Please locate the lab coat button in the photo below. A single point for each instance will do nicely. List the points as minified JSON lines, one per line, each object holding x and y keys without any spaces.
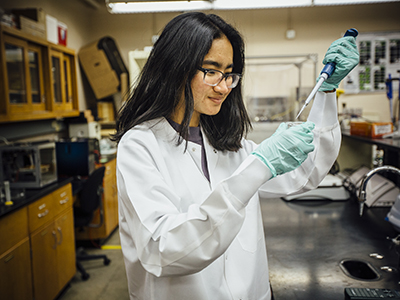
{"x":215,"y":151}
{"x":193,"y":149}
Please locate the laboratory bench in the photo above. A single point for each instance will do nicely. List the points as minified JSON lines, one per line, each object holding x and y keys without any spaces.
{"x":307,"y":240}
{"x":390,"y":146}
{"x":37,"y":249}
{"x":31,"y":195}
{"x":387,"y":143}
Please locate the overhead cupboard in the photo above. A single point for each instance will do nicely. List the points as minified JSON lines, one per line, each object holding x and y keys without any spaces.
{"x":38,"y":78}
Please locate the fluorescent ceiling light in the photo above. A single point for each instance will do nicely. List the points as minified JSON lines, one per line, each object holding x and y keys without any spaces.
{"x":157,"y":6}
{"x":345,"y":2}
{"x":148,"y":6}
{"x":257,"y":4}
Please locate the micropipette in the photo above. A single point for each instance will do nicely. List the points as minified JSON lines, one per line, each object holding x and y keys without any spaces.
{"x":326,"y":72}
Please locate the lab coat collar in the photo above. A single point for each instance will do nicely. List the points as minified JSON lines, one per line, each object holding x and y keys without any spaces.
{"x":170,"y":133}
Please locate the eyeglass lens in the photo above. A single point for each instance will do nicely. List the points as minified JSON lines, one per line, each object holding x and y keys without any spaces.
{"x":214,"y":77}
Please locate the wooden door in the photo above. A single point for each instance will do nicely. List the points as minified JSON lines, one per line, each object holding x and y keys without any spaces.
{"x":66,"y":263}
{"x":44,"y":263}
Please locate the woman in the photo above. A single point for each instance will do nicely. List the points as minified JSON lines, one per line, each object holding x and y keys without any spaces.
{"x":190,"y":221}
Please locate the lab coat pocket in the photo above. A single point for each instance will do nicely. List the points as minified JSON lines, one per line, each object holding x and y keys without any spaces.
{"x":252,"y":230}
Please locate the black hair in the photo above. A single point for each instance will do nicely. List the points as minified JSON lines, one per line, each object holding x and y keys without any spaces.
{"x":168,"y":72}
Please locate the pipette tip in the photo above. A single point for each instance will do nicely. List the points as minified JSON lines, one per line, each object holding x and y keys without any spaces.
{"x":301,"y":110}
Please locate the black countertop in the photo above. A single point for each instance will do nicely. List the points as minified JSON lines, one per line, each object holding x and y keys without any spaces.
{"x":306,"y":241}
{"x":388,"y":143}
{"x":32,"y":195}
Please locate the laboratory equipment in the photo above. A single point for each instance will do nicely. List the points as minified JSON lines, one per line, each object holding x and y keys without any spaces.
{"x":331,"y":188}
{"x":362,"y":197}
{"x":389,"y":94}
{"x":370,"y":294}
{"x":267,"y":109}
{"x":394,"y":214}
{"x":28,"y":165}
{"x":77,"y":157}
{"x":326,"y":72}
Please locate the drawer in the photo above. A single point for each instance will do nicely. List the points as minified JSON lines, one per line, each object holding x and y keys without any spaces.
{"x":15,"y":272}
{"x":62,"y":198}
{"x":41,"y":211}
{"x":14,"y":228}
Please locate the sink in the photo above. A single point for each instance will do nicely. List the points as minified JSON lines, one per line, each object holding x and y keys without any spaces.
{"x":359,"y":269}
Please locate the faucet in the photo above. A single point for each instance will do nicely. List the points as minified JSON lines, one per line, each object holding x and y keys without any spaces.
{"x":362,"y":196}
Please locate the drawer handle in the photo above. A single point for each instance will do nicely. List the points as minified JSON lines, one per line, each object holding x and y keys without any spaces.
{"x":55,"y":239}
{"x":8,"y":258}
{"x":64,"y":201}
{"x":43,"y":214}
{"x":61,"y":235}
{"x":42,"y":206}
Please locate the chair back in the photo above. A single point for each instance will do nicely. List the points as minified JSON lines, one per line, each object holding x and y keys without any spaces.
{"x":90,"y":195}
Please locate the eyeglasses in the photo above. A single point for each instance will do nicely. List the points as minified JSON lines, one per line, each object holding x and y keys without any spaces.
{"x":214,"y":77}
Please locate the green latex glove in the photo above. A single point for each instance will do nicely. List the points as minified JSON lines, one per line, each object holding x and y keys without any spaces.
{"x":345,"y":54}
{"x":287,"y":148}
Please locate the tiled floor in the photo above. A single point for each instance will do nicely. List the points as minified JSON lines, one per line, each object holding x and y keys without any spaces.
{"x":105,"y":282}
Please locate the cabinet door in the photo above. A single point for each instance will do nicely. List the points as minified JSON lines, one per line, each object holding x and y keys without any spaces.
{"x":16,"y":83}
{"x":110,"y":207}
{"x":68,"y":105}
{"x":37,"y":93}
{"x":66,"y":263}
{"x":44,"y":263}
{"x":15,"y":273}
{"x":24,"y":76}
{"x":57,"y":77}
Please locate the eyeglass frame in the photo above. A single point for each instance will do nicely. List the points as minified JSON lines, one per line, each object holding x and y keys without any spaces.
{"x":224,"y":76}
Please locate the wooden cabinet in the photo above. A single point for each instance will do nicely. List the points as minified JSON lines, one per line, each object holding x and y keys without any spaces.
{"x":110,"y":208}
{"x":61,"y":79}
{"x":52,"y":243}
{"x":37,"y":249}
{"x":15,"y":260}
{"x":38,"y":78}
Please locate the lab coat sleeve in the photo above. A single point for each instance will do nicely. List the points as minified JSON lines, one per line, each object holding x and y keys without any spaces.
{"x":327,"y":140}
{"x":166,"y":240}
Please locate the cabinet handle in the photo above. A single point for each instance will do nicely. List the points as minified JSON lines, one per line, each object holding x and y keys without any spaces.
{"x":63,"y":194}
{"x":8,"y":258}
{"x":42,"y":206}
{"x":55,"y":239}
{"x":115,"y":191}
{"x":61,"y":235}
{"x":64,"y":201}
{"x":43,"y":214}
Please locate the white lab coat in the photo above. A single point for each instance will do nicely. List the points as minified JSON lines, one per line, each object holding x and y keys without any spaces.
{"x":184,"y":237}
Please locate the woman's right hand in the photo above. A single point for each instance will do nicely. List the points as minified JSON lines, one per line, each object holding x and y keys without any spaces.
{"x":287,"y":148}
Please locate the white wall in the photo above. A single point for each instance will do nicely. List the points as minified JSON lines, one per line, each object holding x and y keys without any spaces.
{"x":263,"y":31}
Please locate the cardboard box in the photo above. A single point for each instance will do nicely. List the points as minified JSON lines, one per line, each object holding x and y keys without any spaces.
{"x":102,"y":78}
{"x":35,"y":14}
{"x":370,"y":129}
{"x":32,"y":27}
{"x":105,"y":111}
{"x":32,"y":21}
